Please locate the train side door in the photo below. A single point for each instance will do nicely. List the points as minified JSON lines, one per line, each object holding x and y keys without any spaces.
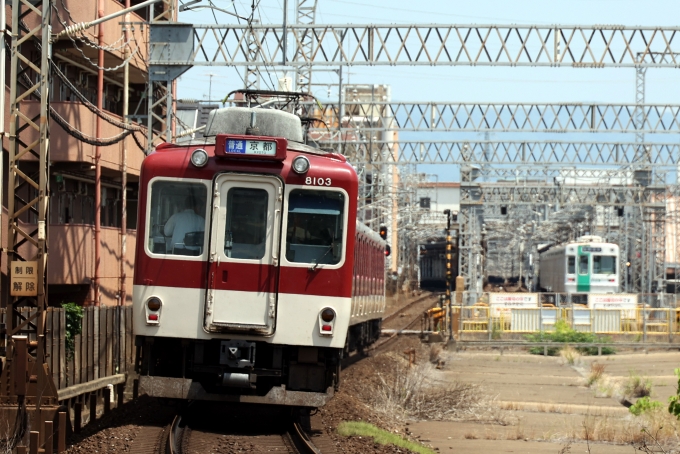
{"x":244,"y":254}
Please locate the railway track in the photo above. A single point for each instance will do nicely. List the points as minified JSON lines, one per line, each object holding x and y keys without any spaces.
{"x":202,"y":431}
{"x":410,"y":305}
{"x":415,"y":308}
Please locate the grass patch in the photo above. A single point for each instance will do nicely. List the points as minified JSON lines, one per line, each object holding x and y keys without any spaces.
{"x":383,"y":437}
{"x":566,"y":334}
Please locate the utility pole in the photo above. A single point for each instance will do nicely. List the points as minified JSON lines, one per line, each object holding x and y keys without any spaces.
{"x":449,"y":270}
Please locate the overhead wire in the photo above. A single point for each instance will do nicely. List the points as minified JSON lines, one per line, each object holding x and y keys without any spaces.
{"x":266,"y":43}
{"x":96,"y":46}
{"x":217,"y":22}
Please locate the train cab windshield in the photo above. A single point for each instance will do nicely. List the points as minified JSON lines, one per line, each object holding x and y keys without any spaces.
{"x":314,"y":233}
{"x":177,"y":218}
{"x":604,"y":264}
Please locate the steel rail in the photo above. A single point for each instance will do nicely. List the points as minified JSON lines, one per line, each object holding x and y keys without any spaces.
{"x":304,"y":443}
{"x":174,"y":437}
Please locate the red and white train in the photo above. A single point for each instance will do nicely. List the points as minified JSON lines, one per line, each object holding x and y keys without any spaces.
{"x":252,"y":276}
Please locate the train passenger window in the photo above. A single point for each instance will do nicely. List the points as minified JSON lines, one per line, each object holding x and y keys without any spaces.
{"x":246,"y":227}
{"x":571,"y":264}
{"x":314,"y":232}
{"x":582,"y":264}
{"x":177,"y":218}
{"x":604,"y":264}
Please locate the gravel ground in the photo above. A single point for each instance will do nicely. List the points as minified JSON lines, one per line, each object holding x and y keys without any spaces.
{"x":116,"y":432}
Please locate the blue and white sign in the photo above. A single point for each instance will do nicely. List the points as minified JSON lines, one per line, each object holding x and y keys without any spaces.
{"x":246,"y":147}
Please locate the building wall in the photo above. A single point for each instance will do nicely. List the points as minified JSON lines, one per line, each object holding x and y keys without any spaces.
{"x":71,"y":245}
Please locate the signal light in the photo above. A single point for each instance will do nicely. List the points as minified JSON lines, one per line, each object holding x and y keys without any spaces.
{"x":383,"y":232}
{"x":388,"y":250}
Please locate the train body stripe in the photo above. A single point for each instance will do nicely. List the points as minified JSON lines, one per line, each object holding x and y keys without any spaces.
{"x":582,"y":280}
{"x":248,"y":277}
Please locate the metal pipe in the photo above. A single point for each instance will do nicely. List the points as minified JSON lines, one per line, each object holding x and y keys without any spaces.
{"x":3,"y":29}
{"x":284,"y":43}
{"x":123,"y":218}
{"x":97,"y":158}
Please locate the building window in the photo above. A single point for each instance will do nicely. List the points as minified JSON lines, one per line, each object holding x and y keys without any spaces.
{"x":425,"y":203}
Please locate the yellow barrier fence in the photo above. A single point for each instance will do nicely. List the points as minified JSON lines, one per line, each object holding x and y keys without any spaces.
{"x":651,"y":321}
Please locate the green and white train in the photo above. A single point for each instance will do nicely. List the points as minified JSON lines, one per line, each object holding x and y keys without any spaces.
{"x":587,"y":265}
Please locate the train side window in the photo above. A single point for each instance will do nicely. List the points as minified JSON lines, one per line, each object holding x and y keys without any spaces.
{"x":582,"y":264}
{"x":177,"y":218}
{"x":571,"y":264}
{"x":314,"y":233}
{"x":246,"y":227}
{"x":604,"y":264}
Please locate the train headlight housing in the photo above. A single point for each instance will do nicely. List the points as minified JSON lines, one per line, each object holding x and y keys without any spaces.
{"x":300,"y":165}
{"x":199,"y":157}
{"x":326,"y":321}
{"x":153,"y":310}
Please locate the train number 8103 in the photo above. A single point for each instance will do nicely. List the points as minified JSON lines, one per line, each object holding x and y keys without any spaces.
{"x":318,"y":181}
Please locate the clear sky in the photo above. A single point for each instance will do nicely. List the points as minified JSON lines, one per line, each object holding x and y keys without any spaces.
{"x":462,"y":84}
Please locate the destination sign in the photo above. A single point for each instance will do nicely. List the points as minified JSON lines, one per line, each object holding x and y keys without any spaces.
{"x":250,"y":147}
{"x":591,"y":249}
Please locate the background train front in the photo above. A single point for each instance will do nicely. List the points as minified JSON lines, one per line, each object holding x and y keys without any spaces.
{"x":432,"y":265}
{"x":588,"y":265}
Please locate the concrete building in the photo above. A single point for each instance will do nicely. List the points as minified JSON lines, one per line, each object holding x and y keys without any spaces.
{"x":86,"y":264}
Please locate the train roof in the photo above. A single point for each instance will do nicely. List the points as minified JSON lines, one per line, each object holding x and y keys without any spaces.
{"x":364,"y":229}
{"x":560,"y":247}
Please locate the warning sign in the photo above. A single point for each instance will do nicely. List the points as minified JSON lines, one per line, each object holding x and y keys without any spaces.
{"x":505,"y":302}
{"x":625,"y":302}
{"x":24,"y":279}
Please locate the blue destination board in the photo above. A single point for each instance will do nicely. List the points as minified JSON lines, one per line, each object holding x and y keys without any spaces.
{"x":254,"y":147}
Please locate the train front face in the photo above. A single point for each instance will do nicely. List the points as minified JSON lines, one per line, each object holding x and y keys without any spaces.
{"x":592,"y":268}
{"x":249,"y":299}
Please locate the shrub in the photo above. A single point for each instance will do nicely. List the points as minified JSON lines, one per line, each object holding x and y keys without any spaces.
{"x":637,"y":386}
{"x":596,"y":373}
{"x":570,"y":355}
{"x":643,"y":405}
{"x":566,"y":334}
{"x":74,"y":325}
{"x":674,"y":401}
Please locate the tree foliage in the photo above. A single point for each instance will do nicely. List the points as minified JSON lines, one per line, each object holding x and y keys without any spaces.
{"x":74,"y":325}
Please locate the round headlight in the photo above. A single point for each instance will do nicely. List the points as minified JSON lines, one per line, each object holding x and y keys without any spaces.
{"x":199,"y":157}
{"x":327,"y":315}
{"x":153,"y":304}
{"x":300,"y":164}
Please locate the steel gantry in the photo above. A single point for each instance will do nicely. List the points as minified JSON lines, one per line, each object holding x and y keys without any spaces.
{"x":518,"y":153}
{"x":306,"y":15}
{"x":504,"y":117}
{"x":27,"y":394}
{"x":595,"y":46}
